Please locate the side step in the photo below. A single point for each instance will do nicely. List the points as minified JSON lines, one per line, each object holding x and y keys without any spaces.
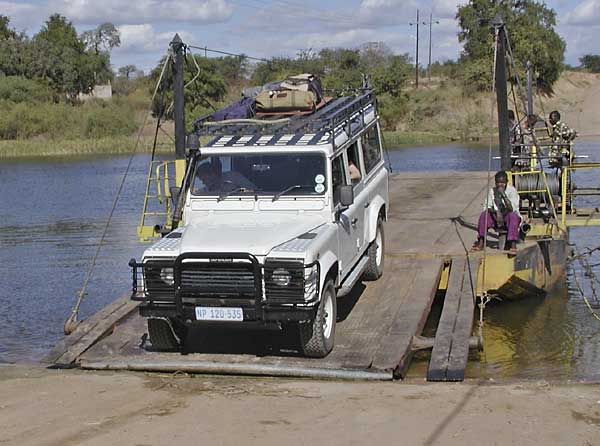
{"x":451,"y":345}
{"x":353,"y":277}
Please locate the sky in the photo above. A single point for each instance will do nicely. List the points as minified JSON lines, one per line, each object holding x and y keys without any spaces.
{"x":269,"y":28}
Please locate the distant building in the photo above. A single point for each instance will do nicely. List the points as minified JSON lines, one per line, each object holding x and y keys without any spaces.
{"x":99,"y":92}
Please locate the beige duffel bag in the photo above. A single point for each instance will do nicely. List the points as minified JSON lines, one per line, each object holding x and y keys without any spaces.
{"x":285,"y":101}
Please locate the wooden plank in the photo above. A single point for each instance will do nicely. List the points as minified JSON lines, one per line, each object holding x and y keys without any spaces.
{"x":440,"y":354}
{"x":361,"y":333}
{"x":459,"y":353}
{"x":395,"y":347}
{"x":90,"y":331}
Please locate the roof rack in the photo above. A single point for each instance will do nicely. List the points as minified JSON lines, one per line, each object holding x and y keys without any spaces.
{"x":342,"y":114}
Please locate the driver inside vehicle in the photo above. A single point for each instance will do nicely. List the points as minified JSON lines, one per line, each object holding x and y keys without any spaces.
{"x":215,"y":180}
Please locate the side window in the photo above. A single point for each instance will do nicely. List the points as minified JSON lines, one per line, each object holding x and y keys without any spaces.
{"x":338,"y":177}
{"x":354,"y":164}
{"x":371,"y":148}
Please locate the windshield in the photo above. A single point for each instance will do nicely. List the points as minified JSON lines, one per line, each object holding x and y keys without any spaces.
{"x":260,"y":174}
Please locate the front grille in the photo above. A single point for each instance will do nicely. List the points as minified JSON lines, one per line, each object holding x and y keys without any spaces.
{"x":286,"y":282}
{"x":207,"y":279}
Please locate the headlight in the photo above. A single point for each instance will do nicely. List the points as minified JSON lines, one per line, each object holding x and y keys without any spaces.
{"x":311,"y":282}
{"x":281,"y":277}
{"x":166,"y":275}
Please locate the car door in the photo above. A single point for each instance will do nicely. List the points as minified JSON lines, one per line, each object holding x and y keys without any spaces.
{"x":351,"y":220}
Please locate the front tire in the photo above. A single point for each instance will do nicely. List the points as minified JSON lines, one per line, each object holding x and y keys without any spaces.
{"x":317,"y":337}
{"x":376,"y":254}
{"x":166,"y":334}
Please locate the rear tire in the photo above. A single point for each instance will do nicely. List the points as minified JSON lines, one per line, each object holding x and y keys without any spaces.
{"x":166,"y":334}
{"x":376,"y":254}
{"x":317,"y":337}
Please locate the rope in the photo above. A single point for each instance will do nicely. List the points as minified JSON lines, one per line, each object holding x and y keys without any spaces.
{"x":484,"y":298}
{"x":586,"y":266}
{"x":71,"y":323}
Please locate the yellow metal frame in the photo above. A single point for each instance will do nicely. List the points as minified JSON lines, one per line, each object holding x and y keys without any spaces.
{"x":569,"y":219}
{"x":160,"y":174}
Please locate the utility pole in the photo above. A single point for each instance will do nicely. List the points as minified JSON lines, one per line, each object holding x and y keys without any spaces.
{"x":417,"y":52}
{"x":431,"y":22}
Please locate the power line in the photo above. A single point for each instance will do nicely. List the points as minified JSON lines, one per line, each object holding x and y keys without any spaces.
{"x":228,"y":53}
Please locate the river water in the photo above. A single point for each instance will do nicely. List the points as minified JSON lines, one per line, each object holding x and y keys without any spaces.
{"x":53,"y":213}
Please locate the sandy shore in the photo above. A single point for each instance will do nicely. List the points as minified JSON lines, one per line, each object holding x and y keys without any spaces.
{"x":71,"y":407}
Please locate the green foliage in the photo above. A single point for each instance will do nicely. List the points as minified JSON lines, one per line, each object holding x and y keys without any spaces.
{"x":19,"y":89}
{"x":55,"y":56}
{"x":205,"y":92}
{"x":102,"y":39}
{"x":591,"y":62}
{"x":476,"y":75}
{"x":93,"y":119}
{"x":530,"y":28}
{"x":127,"y":70}
{"x":61,"y":33}
{"x":6,"y":32}
{"x":391,"y":77}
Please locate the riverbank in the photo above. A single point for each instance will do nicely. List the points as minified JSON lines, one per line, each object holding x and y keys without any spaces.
{"x":70,"y":407}
{"x":36,"y":148}
{"x":436,"y":115}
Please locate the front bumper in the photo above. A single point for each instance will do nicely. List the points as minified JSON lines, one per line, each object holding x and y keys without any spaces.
{"x":280,"y":290}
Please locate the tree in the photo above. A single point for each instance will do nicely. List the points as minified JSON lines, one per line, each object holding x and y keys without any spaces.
{"x":127,"y":70}
{"x":5,"y":31}
{"x":207,"y":90}
{"x":591,"y":62}
{"x":58,"y":31}
{"x":391,"y":77}
{"x":57,"y":55}
{"x":530,"y":29}
{"x":104,"y":38}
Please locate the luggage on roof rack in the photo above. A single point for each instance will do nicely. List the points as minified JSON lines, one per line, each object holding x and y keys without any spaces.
{"x":285,"y":100}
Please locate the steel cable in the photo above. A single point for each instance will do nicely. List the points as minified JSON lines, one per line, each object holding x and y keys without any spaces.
{"x":71,"y":323}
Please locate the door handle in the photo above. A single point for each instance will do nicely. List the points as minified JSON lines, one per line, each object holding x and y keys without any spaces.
{"x":354,"y":221}
{"x":367,"y":204}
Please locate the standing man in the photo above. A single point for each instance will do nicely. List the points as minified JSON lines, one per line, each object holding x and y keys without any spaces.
{"x":501,"y":210}
{"x":559,"y":131}
{"x":562,"y":135}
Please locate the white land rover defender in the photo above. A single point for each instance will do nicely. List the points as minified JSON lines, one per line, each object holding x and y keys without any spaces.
{"x":279,"y":220}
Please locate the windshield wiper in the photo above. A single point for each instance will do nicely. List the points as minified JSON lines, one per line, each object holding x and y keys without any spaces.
{"x":289,"y":189}
{"x":234,"y":191}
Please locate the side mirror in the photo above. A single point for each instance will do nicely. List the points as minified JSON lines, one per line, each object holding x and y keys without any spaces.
{"x":193,"y":141}
{"x":346,"y":196}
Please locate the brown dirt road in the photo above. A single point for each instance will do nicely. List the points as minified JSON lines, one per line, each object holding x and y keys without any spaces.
{"x":43,"y":407}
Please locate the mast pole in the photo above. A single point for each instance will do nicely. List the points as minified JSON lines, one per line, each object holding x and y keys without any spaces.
{"x":178,"y":102}
{"x":502,"y":95}
{"x":529,"y":88}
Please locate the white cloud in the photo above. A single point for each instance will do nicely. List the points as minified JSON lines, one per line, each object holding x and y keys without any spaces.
{"x":143,"y":38}
{"x":120,"y":11}
{"x":585,"y":13}
{"x":446,"y":9}
{"x":21,"y":15}
{"x":144,"y":11}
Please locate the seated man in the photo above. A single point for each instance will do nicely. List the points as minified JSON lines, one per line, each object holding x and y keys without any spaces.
{"x":354,"y":172}
{"x":501,"y":210}
{"x":215,"y":180}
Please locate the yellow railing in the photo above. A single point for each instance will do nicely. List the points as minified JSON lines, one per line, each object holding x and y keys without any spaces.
{"x":157,"y":206}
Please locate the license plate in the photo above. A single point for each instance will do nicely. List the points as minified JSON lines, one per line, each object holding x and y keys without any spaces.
{"x":219,"y":314}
